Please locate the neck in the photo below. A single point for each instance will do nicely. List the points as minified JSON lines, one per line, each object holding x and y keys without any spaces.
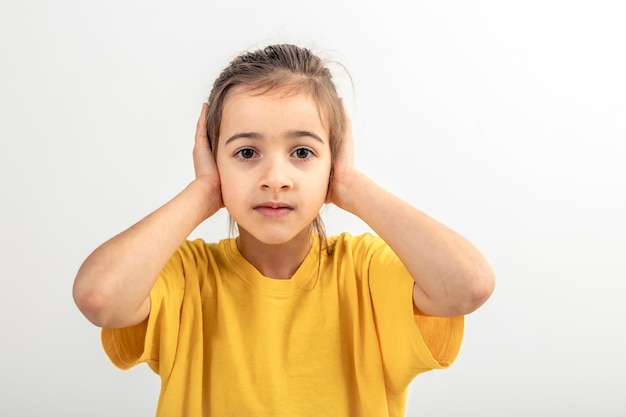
{"x":277,"y":261}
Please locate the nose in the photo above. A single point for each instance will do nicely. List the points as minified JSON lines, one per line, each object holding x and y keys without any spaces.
{"x":276,"y":175}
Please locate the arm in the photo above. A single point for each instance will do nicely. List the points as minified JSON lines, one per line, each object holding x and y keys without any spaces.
{"x":113,"y":284}
{"x":451,"y":276}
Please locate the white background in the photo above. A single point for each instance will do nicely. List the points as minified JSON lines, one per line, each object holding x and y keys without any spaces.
{"x":504,"y":120}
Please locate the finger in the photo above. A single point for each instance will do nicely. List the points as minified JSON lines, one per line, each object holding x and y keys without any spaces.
{"x":202,"y":156}
{"x":346,"y":115}
{"x":201,"y":133}
{"x":347,"y":146}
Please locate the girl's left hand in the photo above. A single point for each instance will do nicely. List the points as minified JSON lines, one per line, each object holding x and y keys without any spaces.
{"x":343,"y":166}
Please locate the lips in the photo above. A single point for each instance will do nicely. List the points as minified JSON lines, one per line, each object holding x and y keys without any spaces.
{"x":273,"y":209}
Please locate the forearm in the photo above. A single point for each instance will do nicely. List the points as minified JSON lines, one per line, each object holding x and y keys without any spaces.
{"x":452,"y":277}
{"x":112,"y":286}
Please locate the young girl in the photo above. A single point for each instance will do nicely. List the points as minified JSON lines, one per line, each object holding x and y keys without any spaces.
{"x":281,"y":320}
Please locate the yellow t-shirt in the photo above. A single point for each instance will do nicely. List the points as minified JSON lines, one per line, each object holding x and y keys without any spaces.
{"x":340,"y":338}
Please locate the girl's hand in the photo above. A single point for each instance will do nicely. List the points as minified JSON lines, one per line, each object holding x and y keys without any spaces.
{"x":203,"y":161}
{"x":343,"y":166}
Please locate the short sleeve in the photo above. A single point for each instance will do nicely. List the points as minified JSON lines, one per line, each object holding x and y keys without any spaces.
{"x":410,"y":343}
{"x":153,"y":341}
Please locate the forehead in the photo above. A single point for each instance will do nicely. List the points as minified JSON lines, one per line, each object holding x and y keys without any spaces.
{"x":252,"y":109}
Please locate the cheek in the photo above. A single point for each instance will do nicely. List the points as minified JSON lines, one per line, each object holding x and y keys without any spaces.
{"x":233,"y":202}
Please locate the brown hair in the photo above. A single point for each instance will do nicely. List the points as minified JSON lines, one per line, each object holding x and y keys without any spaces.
{"x":285,"y":68}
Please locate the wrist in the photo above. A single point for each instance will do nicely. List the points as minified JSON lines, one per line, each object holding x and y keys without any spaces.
{"x":345,"y":188}
{"x":205,"y":195}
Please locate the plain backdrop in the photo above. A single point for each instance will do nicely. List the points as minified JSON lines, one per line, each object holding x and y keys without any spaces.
{"x":504,"y":120}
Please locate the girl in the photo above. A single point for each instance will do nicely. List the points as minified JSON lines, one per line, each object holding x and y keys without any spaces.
{"x":282,"y":321}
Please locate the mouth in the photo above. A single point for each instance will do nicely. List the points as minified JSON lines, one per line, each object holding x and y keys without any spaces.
{"x":273,"y":209}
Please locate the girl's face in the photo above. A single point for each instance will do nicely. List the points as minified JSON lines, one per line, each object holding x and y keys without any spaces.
{"x":274,"y":163}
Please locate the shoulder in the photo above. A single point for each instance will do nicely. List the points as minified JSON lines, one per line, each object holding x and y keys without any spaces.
{"x":357,"y":249}
{"x":195,"y":265}
{"x":193,"y":256}
{"x":367,"y":253}
{"x":363,"y":243}
{"x":348,"y":239}
{"x":199,"y":249}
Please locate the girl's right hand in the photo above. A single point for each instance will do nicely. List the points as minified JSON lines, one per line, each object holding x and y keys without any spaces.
{"x":204,"y":163}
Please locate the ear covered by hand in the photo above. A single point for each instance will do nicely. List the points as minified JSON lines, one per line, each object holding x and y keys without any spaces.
{"x":343,"y":165}
{"x":204,"y":163}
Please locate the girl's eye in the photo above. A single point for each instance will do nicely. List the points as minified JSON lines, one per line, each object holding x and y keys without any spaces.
{"x":246,"y":153}
{"x":303,"y":153}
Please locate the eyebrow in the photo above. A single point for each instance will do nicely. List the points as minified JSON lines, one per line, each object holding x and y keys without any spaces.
{"x":244,"y":135}
{"x":292,"y":134}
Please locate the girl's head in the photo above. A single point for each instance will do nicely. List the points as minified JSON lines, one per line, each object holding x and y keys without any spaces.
{"x":282,"y":69}
{"x":286,"y":68}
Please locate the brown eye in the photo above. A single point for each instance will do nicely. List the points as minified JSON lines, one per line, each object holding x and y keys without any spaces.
{"x":303,"y":153}
{"x":246,"y":153}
